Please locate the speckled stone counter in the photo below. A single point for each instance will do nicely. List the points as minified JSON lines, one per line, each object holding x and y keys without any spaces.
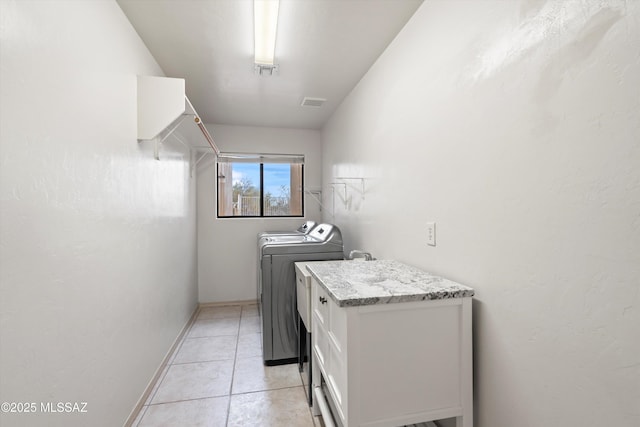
{"x":354,"y":283}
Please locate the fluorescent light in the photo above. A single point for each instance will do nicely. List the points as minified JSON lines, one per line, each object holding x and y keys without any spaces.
{"x":265,"y":20}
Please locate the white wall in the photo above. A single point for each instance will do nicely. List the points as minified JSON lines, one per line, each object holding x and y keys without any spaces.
{"x":97,"y":252}
{"x":227,"y":247}
{"x":515,"y":126}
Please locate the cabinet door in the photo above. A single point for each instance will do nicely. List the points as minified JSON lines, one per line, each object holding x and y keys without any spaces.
{"x":319,"y":326}
{"x":337,"y":370}
{"x":320,"y":305}
{"x":337,"y":379}
{"x":321,"y":346}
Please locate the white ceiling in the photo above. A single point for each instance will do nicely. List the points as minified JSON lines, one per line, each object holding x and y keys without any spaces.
{"x":323,"y":49}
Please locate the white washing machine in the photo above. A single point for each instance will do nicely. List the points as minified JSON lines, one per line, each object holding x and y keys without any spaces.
{"x":305,"y":228}
{"x":277,"y":286}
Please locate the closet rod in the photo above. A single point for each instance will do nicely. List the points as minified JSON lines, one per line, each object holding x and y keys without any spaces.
{"x":206,"y":134}
{"x":203,"y":129}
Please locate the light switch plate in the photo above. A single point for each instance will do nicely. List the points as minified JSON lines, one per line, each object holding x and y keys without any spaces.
{"x":431,"y":233}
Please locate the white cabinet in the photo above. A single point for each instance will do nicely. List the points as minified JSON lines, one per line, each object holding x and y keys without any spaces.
{"x":329,"y":344}
{"x":394,"y":364}
{"x":162,"y":108}
{"x":161,"y":101}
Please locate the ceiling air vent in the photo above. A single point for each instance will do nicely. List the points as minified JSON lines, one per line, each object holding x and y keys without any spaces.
{"x":312,"y":102}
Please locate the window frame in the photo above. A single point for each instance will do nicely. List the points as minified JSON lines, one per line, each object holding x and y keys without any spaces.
{"x":261,"y":188}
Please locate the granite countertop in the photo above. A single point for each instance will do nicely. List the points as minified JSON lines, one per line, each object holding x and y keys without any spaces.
{"x":354,"y":283}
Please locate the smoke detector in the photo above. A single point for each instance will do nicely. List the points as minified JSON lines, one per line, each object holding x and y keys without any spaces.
{"x":312,"y":102}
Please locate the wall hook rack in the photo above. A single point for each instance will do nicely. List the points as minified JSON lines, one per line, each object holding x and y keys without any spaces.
{"x":333,"y":185}
{"x":347,"y":178}
{"x":315,"y":195}
{"x":333,"y":196}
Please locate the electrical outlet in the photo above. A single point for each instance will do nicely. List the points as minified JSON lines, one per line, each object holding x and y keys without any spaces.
{"x":431,"y":233}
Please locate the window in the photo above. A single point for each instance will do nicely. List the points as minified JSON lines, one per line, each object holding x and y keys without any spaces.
{"x":260,"y":185}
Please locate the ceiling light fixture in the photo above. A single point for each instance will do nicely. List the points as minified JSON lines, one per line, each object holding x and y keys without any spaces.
{"x":265,"y":21}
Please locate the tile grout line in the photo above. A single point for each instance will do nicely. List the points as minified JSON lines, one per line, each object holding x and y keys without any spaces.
{"x":233,"y":370}
{"x":311,"y":416}
{"x":235,"y":359}
{"x":187,"y":400}
{"x":171,"y":362}
{"x":202,"y":361}
{"x":268,"y":390}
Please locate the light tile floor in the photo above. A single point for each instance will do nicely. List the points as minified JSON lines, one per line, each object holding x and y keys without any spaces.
{"x":216,"y":378}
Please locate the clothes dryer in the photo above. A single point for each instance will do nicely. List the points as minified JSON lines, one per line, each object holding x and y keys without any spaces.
{"x":277,"y":286}
{"x":305,"y":228}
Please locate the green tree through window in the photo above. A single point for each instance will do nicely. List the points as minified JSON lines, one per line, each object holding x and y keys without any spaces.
{"x":260,"y":190}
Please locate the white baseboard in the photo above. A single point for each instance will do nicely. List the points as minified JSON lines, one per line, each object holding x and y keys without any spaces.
{"x":156,"y":376}
{"x":220,"y":304}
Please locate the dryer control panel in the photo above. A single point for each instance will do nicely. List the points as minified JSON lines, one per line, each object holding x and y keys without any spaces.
{"x":326,"y":233}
